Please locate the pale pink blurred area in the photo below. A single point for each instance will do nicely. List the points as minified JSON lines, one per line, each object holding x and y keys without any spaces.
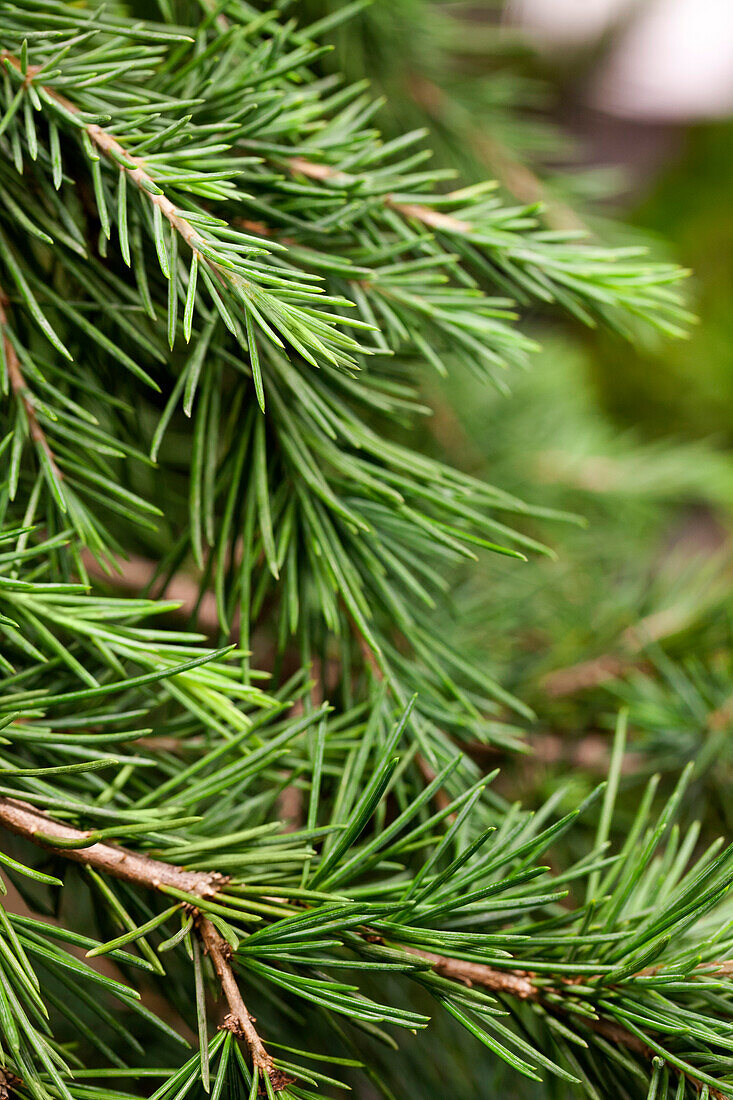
{"x":666,"y":61}
{"x":566,"y":22}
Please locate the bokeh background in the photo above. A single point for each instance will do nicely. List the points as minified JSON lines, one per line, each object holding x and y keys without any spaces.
{"x":617,"y":117}
{"x":614,"y":118}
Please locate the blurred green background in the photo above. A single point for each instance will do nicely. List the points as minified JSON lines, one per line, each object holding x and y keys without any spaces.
{"x":632,"y":605}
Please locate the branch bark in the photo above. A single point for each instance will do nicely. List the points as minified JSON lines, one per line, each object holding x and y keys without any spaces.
{"x":142,"y":870}
{"x":435,"y":219}
{"x":21,"y":391}
{"x":135,"y":168}
{"x":517,"y":983}
{"x":519,"y":180}
{"x":9,"y":1082}
{"x":238,"y":1019}
{"x":135,"y":867}
{"x":24,"y":820}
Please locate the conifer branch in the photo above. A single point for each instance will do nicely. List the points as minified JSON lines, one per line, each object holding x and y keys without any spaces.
{"x":134,"y":167}
{"x":515,"y":983}
{"x":317,"y":531}
{"x":149,"y":873}
{"x":435,"y":219}
{"x":238,"y":1019}
{"x":152,"y":874}
{"x":21,"y":391}
{"x":9,"y":1083}
{"x":75,"y":844}
{"x":142,"y":870}
{"x":518,"y":178}
{"x":519,"y":984}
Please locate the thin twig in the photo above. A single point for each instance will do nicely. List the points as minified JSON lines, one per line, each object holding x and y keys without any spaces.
{"x":9,"y":1083}
{"x":238,"y":1019}
{"x":135,"y":169}
{"x":517,"y":983}
{"x":426,"y":214}
{"x":518,"y":179}
{"x":111,"y":859}
{"x":142,"y":870}
{"x":21,"y":391}
{"x":25,"y":821}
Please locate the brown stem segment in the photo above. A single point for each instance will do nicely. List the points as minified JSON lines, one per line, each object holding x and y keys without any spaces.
{"x":9,"y":1082}
{"x":517,"y":983}
{"x":25,"y":821}
{"x":435,"y":219}
{"x":515,"y":176}
{"x":21,"y":391}
{"x":238,"y":1019}
{"x":134,"y":167}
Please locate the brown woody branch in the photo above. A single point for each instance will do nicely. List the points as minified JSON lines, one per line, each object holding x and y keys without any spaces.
{"x":153,"y":874}
{"x":435,"y":219}
{"x":238,"y":1019}
{"x":9,"y":1083}
{"x":518,"y":983}
{"x":111,"y":859}
{"x":20,"y":389}
{"x":134,"y":167}
{"x":142,"y":870}
{"x":518,"y":179}
{"x":27,"y":822}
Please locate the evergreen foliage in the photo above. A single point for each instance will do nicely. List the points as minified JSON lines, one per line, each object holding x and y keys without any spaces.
{"x":222,"y":298}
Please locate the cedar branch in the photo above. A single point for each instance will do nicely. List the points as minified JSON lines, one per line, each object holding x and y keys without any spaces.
{"x":134,"y":167}
{"x":142,"y":870}
{"x":9,"y":1082}
{"x":435,"y":219}
{"x":25,"y":821}
{"x":518,"y":179}
{"x":517,"y":983}
{"x":238,"y":1019}
{"x":21,"y":391}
